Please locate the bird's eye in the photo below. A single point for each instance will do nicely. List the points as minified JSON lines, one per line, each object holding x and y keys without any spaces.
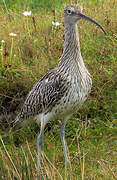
{"x":69,"y":11}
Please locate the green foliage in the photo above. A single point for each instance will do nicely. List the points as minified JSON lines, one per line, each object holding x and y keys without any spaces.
{"x":91,"y":132}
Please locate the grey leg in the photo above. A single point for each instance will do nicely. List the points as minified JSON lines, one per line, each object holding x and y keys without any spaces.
{"x":39,"y":145}
{"x":62,"y":135}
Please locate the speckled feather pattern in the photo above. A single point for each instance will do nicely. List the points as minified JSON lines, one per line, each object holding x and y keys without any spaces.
{"x":45,"y":94}
{"x":62,"y":90}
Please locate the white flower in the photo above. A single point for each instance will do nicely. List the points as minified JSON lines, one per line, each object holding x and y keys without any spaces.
{"x":2,"y":41}
{"x":27,"y":13}
{"x":81,"y":8}
{"x":12,"y":34}
{"x":56,"y":23}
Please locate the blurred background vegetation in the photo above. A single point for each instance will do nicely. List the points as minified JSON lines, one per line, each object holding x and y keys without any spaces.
{"x":33,"y":50}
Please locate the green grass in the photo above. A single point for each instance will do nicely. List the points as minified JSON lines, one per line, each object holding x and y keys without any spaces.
{"x":91,"y":132}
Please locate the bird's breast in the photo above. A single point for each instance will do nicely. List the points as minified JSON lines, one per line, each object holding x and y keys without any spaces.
{"x":76,"y":94}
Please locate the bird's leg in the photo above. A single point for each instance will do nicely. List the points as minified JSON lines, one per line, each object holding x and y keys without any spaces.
{"x":39,"y":145}
{"x":62,"y":135}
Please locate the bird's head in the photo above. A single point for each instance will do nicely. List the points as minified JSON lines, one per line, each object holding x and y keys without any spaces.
{"x":73,"y":13}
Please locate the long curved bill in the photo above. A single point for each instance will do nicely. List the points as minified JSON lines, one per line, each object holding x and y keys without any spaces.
{"x":92,"y":20}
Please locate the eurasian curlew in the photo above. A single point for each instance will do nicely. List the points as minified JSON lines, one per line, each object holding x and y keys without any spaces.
{"x":64,"y":89}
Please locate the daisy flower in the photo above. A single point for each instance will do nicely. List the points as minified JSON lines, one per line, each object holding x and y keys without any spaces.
{"x":27,"y":13}
{"x":56,"y":23}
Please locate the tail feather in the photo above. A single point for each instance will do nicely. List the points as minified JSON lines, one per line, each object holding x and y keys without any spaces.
{"x":16,"y":121}
{"x":19,"y":121}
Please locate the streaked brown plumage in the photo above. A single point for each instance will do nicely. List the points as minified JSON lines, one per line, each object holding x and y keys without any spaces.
{"x":65,"y":88}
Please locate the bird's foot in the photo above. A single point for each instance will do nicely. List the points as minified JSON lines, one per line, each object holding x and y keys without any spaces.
{"x":67,"y":164}
{"x":39,"y":176}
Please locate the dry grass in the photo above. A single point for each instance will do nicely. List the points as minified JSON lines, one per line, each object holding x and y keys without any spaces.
{"x":26,"y":57}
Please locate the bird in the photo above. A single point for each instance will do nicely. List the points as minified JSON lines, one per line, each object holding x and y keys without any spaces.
{"x":62,"y":90}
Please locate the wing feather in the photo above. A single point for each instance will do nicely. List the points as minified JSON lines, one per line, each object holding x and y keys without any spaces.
{"x":45,"y":93}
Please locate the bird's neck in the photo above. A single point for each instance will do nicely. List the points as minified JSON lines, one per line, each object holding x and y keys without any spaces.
{"x":71,"y":62}
{"x":71,"y":51}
